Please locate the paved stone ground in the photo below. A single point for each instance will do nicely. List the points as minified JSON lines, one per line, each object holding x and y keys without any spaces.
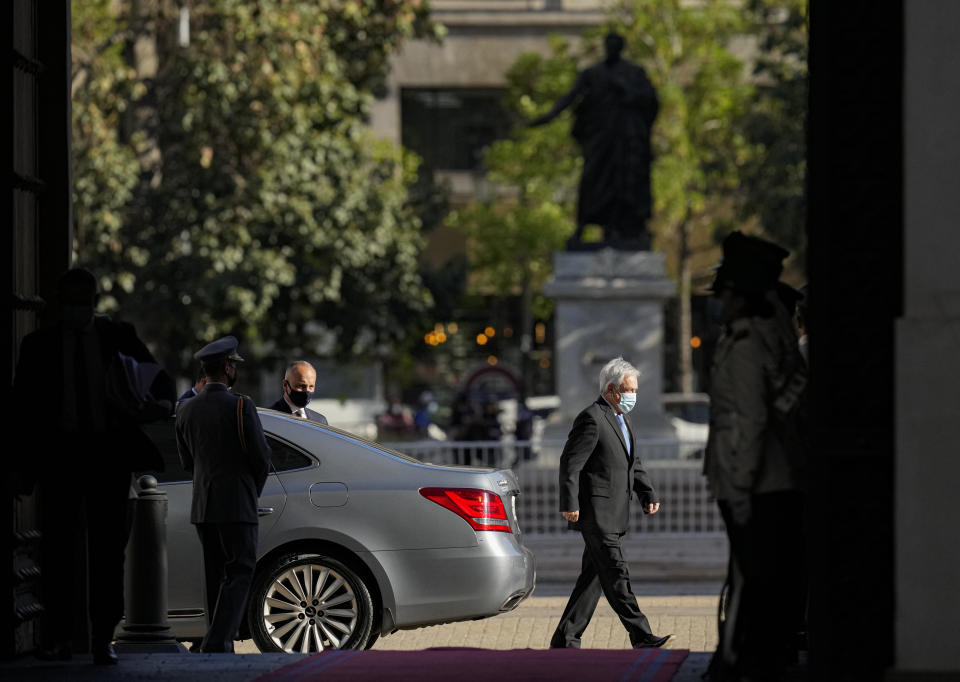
{"x":686,"y":609}
{"x":691,"y":617}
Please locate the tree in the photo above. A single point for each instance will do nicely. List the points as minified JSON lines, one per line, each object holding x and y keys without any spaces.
{"x":513,"y":233}
{"x":272,"y":211}
{"x":775,"y":173}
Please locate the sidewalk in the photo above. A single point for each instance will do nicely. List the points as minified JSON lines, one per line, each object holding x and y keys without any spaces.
{"x":685,"y":609}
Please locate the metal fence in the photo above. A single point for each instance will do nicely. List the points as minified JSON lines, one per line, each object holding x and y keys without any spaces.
{"x":686,"y":504}
{"x":543,"y":453}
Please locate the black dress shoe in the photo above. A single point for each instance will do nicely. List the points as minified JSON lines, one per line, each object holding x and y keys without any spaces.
{"x":105,"y":654}
{"x":653,"y":642}
{"x":57,"y":652}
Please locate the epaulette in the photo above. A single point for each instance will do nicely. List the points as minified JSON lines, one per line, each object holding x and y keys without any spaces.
{"x":240,"y":427}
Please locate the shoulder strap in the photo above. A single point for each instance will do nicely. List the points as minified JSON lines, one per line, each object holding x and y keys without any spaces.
{"x":243,"y":438}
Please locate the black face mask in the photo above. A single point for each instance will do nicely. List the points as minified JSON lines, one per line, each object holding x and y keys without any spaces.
{"x":231,"y":379}
{"x":299,"y":398}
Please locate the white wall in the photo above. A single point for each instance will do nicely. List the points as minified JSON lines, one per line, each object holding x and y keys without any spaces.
{"x":928,"y":346}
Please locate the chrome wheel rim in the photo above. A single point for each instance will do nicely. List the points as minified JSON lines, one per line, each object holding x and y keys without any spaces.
{"x":309,"y":608}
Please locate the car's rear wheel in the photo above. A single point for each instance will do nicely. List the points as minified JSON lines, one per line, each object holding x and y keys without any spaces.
{"x":304,"y":603}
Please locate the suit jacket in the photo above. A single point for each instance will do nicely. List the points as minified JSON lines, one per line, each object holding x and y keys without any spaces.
{"x":40,"y":368}
{"x":228,"y":474}
{"x":189,"y":393}
{"x":282,"y":406}
{"x":596,"y":474}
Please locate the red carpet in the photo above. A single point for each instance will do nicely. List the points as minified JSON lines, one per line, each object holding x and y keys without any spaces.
{"x":468,"y":665}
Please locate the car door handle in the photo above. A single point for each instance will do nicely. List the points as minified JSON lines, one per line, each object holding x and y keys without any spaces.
{"x":264,"y":511}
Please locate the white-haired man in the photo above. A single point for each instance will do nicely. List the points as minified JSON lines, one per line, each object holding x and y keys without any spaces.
{"x":298,"y":384}
{"x":599,"y":471}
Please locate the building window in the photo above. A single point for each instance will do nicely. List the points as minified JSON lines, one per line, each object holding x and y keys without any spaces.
{"x":451,"y":127}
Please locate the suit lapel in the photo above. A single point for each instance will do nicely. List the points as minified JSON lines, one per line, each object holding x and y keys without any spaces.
{"x":614,"y":424}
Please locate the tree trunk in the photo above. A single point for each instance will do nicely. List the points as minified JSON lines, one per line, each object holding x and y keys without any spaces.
{"x":526,"y":338}
{"x":684,"y":322}
{"x":145,"y":56}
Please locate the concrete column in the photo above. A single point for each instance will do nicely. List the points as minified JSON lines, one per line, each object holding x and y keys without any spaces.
{"x":928,"y":347}
{"x":145,"y":627}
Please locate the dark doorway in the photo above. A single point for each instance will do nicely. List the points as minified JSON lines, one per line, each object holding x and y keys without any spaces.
{"x":855,"y":236}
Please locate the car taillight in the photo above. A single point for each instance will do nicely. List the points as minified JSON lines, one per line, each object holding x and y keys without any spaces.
{"x":482,"y":509}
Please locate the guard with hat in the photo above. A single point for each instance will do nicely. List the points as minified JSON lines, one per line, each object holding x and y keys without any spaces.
{"x":751,"y":461}
{"x":220,"y":439}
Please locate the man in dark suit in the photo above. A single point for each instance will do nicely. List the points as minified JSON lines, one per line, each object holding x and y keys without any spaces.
{"x":298,"y":385}
{"x":194,"y":390}
{"x":598,"y":473}
{"x":220,"y":439}
{"x":90,"y":445}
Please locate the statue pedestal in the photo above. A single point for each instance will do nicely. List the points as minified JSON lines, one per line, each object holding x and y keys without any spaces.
{"x":609,"y":303}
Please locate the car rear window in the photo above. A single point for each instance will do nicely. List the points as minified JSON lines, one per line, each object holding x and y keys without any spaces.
{"x":285,"y":457}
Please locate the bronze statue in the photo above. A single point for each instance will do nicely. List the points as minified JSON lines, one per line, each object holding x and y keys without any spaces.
{"x":615,"y":106}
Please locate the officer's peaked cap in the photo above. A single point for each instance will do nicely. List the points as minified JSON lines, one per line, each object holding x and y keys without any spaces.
{"x":225,"y":347}
{"x":750,"y":264}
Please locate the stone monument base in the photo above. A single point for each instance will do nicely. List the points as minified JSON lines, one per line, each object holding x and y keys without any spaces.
{"x":609,"y":303}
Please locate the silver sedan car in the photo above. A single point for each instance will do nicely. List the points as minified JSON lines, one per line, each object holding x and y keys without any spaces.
{"x":356,"y":541}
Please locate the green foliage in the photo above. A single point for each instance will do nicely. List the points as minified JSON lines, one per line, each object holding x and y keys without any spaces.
{"x":775,"y":174}
{"x":275,"y":215}
{"x":513,"y":234}
{"x":105,"y":169}
{"x":699,"y":150}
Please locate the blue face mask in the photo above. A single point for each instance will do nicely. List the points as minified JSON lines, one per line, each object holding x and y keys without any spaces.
{"x":627,"y":402}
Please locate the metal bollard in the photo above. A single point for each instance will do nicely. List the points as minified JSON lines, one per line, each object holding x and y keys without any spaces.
{"x":145,"y":628}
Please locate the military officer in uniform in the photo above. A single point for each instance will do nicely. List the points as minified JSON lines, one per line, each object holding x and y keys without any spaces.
{"x":752,"y":460}
{"x":220,"y":439}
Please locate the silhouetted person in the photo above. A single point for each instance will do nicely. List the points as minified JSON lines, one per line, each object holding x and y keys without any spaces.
{"x":220,"y":439}
{"x":754,"y":462}
{"x":88,"y":447}
{"x":615,"y":105}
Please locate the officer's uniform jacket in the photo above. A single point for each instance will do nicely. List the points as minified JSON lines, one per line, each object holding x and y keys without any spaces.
{"x":220,"y":439}
{"x":746,"y":452}
{"x":597,"y":476}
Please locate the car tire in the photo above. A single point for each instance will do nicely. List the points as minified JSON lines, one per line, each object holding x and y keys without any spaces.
{"x":286,"y":609}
